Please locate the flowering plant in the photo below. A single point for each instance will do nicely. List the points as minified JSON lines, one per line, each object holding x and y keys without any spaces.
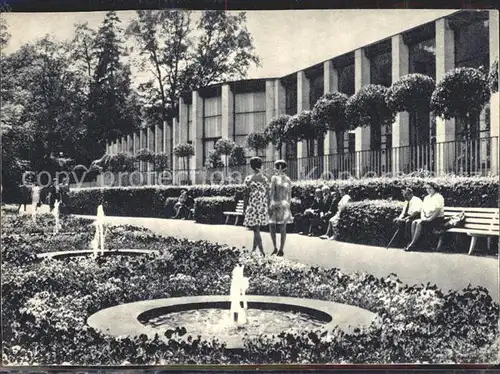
{"x":411,"y":93}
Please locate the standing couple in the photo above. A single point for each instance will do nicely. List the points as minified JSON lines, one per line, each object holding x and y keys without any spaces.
{"x":268,"y":204}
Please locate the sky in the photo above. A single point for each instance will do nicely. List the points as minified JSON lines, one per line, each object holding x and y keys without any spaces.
{"x":286,"y":40}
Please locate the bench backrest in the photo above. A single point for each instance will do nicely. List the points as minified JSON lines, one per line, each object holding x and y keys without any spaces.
{"x":239,"y":207}
{"x":477,"y":219}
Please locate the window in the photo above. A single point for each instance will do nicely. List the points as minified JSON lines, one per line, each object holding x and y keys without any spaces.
{"x":249,"y":114}
{"x":422,"y":58}
{"x":316,"y":147}
{"x":291,"y":98}
{"x":346,"y":80}
{"x":212,"y":124}
{"x":381,"y":69}
{"x":189,"y":121}
{"x":472,"y":48}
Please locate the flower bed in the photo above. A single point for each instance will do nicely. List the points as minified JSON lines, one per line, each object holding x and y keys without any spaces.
{"x":46,"y":304}
{"x":150,"y":201}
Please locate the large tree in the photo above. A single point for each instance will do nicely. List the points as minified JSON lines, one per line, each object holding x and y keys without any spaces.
{"x":183,"y":54}
{"x":112,"y":106}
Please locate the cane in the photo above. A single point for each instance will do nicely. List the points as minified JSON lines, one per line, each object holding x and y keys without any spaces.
{"x":393,"y":237}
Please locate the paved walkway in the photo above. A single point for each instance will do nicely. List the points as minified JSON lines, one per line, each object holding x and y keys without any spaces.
{"x":446,"y":270}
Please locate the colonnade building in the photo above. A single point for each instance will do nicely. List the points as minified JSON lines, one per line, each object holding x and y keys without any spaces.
{"x":413,"y":142}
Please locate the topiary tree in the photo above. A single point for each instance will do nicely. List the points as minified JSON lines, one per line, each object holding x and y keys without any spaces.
{"x":213,"y":160}
{"x":257,"y":141}
{"x":301,"y":127}
{"x":238,"y":156}
{"x":493,"y":77}
{"x":330,"y":109}
{"x":144,"y":155}
{"x":411,"y":93}
{"x":275,"y":131}
{"x":160,"y":161}
{"x":224,"y":147}
{"x":462,"y":94}
{"x":184,"y":151}
{"x":368,"y":108}
{"x":120,"y":163}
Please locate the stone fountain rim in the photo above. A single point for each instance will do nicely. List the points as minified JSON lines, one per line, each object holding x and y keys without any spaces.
{"x":123,"y":320}
{"x":90,"y":252}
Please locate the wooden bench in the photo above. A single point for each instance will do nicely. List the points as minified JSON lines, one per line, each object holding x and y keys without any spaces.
{"x":237,"y":213}
{"x":479,"y":222}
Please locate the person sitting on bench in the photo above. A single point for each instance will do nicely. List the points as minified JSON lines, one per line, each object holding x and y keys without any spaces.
{"x":411,"y":212}
{"x":432,"y":216}
{"x":334,"y":220}
{"x":303,"y":221}
{"x":330,"y":203}
{"x":180,"y":206}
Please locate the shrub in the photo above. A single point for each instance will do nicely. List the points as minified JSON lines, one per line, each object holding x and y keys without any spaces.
{"x":160,"y":161}
{"x":184,"y":150}
{"x":368,"y":222}
{"x":213,"y":160}
{"x":148,"y":201}
{"x":275,"y":130}
{"x":224,"y":146}
{"x":211,"y":209}
{"x":238,"y":157}
{"x":368,"y":108}
{"x":330,"y":109}
{"x":144,"y":155}
{"x":462,"y":93}
{"x":257,"y":141}
{"x":411,"y":93}
{"x":301,"y":127}
{"x":121,"y":162}
{"x":45,"y":307}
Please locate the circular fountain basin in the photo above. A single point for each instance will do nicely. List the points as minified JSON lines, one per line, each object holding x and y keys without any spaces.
{"x":90,"y":252}
{"x":209,"y":317}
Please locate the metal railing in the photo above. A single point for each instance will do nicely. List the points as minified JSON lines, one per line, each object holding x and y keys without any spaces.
{"x":472,"y":157}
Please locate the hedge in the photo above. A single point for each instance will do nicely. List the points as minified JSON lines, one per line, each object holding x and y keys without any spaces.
{"x":211,"y":209}
{"x":149,"y":201}
{"x":368,"y":222}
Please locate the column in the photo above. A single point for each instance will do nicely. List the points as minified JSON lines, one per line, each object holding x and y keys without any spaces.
{"x":303,"y":89}
{"x":130,"y":143}
{"x":176,"y":139}
{"x":331,"y":84}
{"x":445,"y":129}
{"x":141,"y":146}
{"x":495,"y":97}
{"x":183,"y":128}
{"x":271,"y":110}
{"x":227,"y":103}
{"x":401,"y":126}
{"x":197,"y":131}
{"x":280,"y":107}
{"x":151,"y":148}
{"x":362,"y":148}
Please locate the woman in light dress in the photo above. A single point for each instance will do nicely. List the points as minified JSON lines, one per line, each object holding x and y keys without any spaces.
{"x":279,"y":208}
{"x":256,"y":213}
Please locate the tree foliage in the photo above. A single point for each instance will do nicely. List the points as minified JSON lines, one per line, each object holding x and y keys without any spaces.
{"x":257,"y":141}
{"x":301,"y":127}
{"x":238,"y":157}
{"x":275,"y":130}
{"x":213,"y":160}
{"x":183,"y":150}
{"x":368,"y":108}
{"x":411,"y":93}
{"x":224,"y":146}
{"x":183,"y":55}
{"x":462,"y":93}
{"x":493,"y":77}
{"x":330,"y":110}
